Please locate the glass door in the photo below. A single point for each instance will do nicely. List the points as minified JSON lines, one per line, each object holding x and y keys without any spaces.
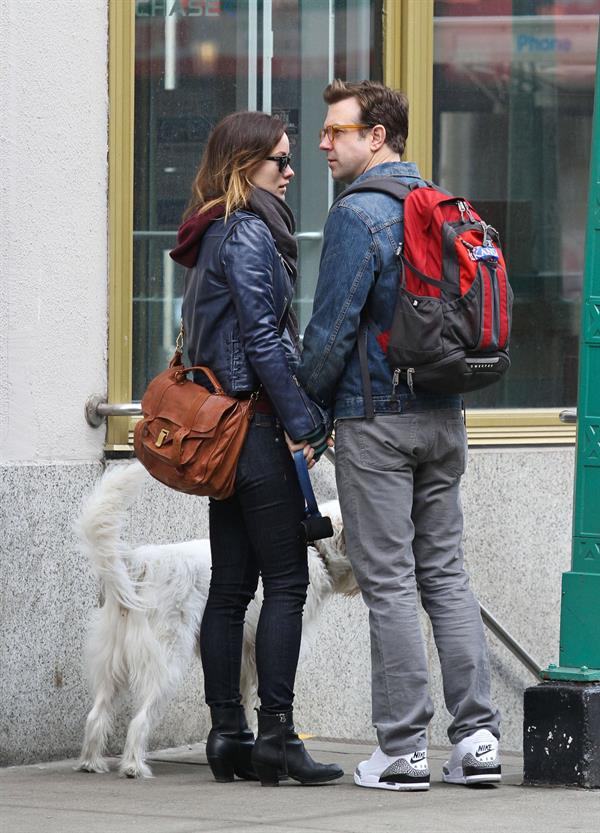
{"x":513,"y":105}
{"x":198,"y":60}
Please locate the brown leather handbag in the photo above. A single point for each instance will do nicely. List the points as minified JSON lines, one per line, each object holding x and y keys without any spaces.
{"x":189,"y":438}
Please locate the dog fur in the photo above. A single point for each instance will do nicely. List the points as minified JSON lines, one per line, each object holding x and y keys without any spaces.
{"x":145,"y":634}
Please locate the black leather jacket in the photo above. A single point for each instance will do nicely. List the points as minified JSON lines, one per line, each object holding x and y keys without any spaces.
{"x":235,"y":303}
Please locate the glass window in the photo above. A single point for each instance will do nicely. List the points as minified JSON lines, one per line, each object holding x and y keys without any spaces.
{"x":195,"y":62}
{"x":512,"y":119}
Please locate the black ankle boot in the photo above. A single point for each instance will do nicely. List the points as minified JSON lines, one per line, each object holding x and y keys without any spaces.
{"x":279,"y":752}
{"x":229,"y":744}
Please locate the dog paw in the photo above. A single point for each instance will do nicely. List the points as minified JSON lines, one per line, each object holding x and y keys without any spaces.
{"x":132,"y":769}
{"x":99,"y":765}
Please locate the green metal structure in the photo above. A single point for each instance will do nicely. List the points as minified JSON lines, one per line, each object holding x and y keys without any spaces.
{"x":579,"y":657}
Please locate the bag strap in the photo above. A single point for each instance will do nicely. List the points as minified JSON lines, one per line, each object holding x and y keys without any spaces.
{"x":363,"y":334}
{"x":443,"y":286}
{"x":176,"y":360}
{"x":207,"y":372}
{"x":392,"y":187}
{"x":312,"y":509}
{"x":382,"y":184}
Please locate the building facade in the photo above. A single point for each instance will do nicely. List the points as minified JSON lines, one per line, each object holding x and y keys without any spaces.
{"x":105,"y":107}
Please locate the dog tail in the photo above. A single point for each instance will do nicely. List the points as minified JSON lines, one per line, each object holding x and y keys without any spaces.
{"x":100,"y":526}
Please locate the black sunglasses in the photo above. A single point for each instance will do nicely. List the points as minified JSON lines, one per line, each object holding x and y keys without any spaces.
{"x":282,"y":161}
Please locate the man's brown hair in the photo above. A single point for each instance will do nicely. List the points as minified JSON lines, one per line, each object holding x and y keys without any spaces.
{"x":378,"y":105}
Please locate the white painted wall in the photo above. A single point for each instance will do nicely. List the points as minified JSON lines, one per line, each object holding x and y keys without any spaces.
{"x":53,"y":222}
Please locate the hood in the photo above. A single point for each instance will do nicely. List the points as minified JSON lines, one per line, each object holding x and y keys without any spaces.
{"x":190,"y":236}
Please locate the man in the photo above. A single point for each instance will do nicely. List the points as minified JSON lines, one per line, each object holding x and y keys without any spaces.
{"x":398,"y":474}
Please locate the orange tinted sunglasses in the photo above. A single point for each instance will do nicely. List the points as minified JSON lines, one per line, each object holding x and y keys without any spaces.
{"x":332,"y":130}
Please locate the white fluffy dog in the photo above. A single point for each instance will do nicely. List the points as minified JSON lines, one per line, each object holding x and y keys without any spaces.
{"x":145,"y":634}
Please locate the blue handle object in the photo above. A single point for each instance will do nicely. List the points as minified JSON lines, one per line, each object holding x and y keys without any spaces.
{"x":314,"y":525}
{"x":312,"y":510}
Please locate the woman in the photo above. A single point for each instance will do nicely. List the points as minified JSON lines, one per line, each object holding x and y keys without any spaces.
{"x":238,"y":242}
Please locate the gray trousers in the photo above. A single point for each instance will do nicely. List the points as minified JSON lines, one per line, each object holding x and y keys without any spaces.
{"x":398,"y":479}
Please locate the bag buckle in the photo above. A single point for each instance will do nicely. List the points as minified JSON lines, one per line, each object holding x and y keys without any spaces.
{"x":161,"y":437}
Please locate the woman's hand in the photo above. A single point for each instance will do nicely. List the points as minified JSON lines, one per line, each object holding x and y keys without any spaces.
{"x":308,"y":450}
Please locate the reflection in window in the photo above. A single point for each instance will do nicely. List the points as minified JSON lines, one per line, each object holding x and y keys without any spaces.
{"x":513,"y":102}
{"x":197,"y":61}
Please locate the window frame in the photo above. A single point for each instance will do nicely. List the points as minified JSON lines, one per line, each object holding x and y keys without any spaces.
{"x":121,"y":112}
{"x":408,"y":65}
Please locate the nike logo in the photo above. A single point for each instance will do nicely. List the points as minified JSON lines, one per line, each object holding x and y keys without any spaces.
{"x":484,"y":749}
{"x":418,"y":756}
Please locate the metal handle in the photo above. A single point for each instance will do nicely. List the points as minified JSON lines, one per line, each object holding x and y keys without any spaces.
{"x":510,"y":642}
{"x":568,"y":415}
{"x":142,"y":233}
{"x":301,"y":235}
{"x":309,"y":235}
{"x":97,"y":409}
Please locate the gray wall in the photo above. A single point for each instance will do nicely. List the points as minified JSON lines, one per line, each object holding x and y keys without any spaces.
{"x":517,"y":543}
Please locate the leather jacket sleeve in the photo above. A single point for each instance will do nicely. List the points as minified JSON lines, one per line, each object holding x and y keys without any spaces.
{"x":248,"y":259}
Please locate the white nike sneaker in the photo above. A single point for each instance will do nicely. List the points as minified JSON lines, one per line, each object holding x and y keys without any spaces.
{"x":394,"y":772}
{"x":475,"y":760}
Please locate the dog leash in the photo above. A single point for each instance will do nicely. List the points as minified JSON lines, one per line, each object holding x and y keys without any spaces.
{"x":315,"y":525}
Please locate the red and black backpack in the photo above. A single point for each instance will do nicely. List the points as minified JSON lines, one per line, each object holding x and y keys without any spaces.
{"x":452,"y":318}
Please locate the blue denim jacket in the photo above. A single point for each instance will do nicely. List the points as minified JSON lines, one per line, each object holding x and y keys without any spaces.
{"x":359,"y":269}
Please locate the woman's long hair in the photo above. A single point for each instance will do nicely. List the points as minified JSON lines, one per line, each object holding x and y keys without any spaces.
{"x":235,"y":146}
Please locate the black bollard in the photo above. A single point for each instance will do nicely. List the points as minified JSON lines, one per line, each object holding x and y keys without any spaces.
{"x":561,"y":734}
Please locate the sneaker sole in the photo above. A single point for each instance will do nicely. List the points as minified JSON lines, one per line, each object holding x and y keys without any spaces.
{"x":374,"y":783}
{"x":472,"y":780}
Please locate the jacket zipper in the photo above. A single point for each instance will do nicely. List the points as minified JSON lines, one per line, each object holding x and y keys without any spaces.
{"x":284,"y":313}
{"x":298,"y":385}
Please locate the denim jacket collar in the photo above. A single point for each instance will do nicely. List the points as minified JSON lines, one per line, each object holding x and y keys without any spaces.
{"x":408,"y":169}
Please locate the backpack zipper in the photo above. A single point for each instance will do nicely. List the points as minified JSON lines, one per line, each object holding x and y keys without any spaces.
{"x":464,"y":209}
{"x":410,"y":372}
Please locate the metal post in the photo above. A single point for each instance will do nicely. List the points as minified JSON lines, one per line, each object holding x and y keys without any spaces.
{"x":561,"y":722}
{"x":579,"y":655}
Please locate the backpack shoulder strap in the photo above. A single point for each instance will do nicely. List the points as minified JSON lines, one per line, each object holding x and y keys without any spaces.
{"x":392,"y":187}
{"x":382,"y":184}
{"x":363,"y":333}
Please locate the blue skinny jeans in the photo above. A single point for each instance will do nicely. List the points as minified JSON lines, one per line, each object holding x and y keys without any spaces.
{"x":256,"y":532}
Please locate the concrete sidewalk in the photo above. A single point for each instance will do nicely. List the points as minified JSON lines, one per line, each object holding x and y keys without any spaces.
{"x":184,"y":798}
